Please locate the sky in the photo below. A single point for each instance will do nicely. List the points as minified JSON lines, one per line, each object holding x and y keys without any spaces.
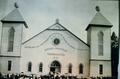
{"x":75,"y":15}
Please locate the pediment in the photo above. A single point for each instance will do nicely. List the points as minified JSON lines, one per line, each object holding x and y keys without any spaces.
{"x":56,"y":26}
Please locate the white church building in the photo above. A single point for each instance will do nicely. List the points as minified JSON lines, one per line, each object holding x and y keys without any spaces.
{"x":55,"y":49}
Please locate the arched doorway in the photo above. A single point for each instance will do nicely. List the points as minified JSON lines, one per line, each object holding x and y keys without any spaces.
{"x":55,"y":67}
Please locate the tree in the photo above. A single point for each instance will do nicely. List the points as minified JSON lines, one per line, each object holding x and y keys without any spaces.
{"x":114,"y":54}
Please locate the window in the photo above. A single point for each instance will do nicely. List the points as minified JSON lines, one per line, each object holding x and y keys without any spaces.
{"x":100,"y":43}
{"x":11,"y":39}
{"x":9,"y":65}
{"x":100,"y":69}
{"x":70,"y":68}
{"x":56,"y":41}
{"x":40,"y":67}
{"x":81,"y":69}
{"x":29,"y":66}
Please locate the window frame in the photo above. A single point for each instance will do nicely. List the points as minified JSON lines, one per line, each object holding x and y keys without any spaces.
{"x":11,"y":36}
{"x":81,"y":68}
{"x":70,"y":68}
{"x":41,"y":67}
{"x":100,"y":69}
{"x":100,"y":43}
{"x":29,"y":67}
{"x":9,"y":65}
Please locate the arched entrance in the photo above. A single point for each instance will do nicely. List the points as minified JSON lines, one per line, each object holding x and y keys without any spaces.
{"x":55,"y":66}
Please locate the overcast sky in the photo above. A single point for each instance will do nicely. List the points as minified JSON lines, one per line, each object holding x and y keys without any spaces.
{"x":75,"y":15}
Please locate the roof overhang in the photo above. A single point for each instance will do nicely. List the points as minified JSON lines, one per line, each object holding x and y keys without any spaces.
{"x":4,"y":21}
{"x":97,"y":25}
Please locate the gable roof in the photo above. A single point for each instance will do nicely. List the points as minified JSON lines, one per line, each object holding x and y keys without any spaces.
{"x":57,"y":27}
{"x":99,"y":20}
{"x":14,"y":17}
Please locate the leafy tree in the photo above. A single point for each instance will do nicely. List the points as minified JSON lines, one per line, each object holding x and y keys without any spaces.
{"x":114,"y":40}
{"x":114,"y":54}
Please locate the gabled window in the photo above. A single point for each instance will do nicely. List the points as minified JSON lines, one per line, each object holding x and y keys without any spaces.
{"x":11,"y":39}
{"x":70,"y":68}
{"x":80,"y":68}
{"x":9,"y":65}
{"x":100,"y":69}
{"x":40,"y":67}
{"x":100,"y":43}
{"x":29,"y":66}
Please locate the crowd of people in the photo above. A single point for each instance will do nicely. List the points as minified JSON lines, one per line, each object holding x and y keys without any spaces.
{"x":49,"y":76}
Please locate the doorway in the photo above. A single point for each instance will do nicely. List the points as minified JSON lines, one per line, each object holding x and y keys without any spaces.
{"x":55,"y":67}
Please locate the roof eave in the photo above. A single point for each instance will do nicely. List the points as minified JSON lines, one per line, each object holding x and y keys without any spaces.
{"x":97,"y":25}
{"x":6,"y":21}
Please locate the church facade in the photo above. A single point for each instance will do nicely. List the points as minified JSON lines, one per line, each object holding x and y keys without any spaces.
{"x":55,"y":49}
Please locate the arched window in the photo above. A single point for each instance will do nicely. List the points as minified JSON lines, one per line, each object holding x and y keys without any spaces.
{"x":70,"y":68}
{"x":80,"y":68}
{"x":40,"y":67}
{"x":100,"y":43}
{"x":100,"y":69}
{"x":11,"y":39}
{"x":29,"y":66}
